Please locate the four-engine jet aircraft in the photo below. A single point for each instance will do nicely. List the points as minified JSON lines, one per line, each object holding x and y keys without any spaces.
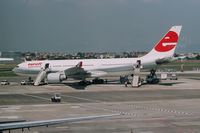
{"x":55,"y":71}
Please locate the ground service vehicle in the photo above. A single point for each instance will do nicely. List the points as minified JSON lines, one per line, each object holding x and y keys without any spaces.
{"x":152,"y":78}
{"x":56,"y":98}
{"x":4,"y":82}
{"x":24,"y":82}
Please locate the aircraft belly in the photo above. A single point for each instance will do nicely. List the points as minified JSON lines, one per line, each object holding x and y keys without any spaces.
{"x":118,"y":69}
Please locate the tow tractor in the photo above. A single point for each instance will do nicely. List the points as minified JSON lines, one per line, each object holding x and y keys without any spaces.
{"x":152,"y":77}
{"x":56,"y":98}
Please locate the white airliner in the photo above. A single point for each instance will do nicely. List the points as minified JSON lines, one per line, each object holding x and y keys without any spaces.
{"x":59,"y":70}
{"x":6,"y":59}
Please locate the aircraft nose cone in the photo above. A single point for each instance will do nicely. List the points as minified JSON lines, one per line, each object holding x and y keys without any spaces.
{"x":15,"y":70}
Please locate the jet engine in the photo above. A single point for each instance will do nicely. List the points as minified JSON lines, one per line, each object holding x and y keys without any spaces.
{"x":55,"y":77}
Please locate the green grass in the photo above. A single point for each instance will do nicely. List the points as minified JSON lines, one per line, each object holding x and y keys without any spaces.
{"x":7,"y":66}
{"x":186,"y":65}
{"x":7,"y":74}
{"x":6,"y":70}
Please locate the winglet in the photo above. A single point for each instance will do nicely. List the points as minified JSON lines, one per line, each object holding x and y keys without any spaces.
{"x":80,"y":64}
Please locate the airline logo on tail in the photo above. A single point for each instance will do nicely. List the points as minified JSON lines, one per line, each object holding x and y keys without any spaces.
{"x":169,"y":41}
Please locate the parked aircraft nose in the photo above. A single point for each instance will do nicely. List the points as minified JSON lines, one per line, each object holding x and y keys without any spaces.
{"x":16,"y":69}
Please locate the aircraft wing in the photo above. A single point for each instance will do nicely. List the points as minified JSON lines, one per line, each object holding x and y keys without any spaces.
{"x":22,"y":125}
{"x":77,"y":72}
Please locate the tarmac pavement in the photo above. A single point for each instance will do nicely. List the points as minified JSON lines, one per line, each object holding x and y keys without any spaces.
{"x":171,"y":107}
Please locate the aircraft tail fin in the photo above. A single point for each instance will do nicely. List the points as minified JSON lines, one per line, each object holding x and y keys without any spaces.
{"x":166,"y":46}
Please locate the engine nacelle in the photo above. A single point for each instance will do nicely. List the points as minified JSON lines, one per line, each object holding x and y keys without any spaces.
{"x":55,"y":77}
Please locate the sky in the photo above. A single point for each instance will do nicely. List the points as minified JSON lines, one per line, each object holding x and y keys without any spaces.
{"x":96,"y":25}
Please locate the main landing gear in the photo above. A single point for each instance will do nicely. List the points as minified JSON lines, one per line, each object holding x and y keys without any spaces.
{"x":94,"y":81}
